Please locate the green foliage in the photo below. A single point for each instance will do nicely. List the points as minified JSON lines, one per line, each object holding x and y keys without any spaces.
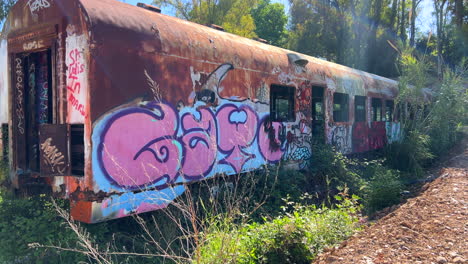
{"x":442,"y":124}
{"x":238,"y":19}
{"x":25,"y":221}
{"x":295,"y":237}
{"x":383,"y":189}
{"x":234,"y":15}
{"x":332,"y":170}
{"x":5,"y":6}
{"x":270,"y":21}
{"x":429,"y":118}
{"x":410,"y":154}
{"x":285,"y":183}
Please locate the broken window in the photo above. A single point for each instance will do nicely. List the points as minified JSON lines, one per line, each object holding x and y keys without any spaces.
{"x":282,"y":103}
{"x":359,"y":108}
{"x":340,"y":107}
{"x":77,"y":156}
{"x":318,"y":114}
{"x":389,"y":105}
{"x":376,"y":109}
{"x":318,"y":109}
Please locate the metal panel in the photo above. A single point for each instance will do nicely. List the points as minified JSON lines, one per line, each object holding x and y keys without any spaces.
{"x":54,"y":158}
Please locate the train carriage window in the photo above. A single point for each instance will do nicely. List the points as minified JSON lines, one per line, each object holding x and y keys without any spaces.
{"x":389,"y":105}
{"x":318,"y":109}
{"x":376,"y":109}
{"x":77,"y":156}
{"x":360,"y":108}
{"x":340,"y":107}
{"x":282,"y":103}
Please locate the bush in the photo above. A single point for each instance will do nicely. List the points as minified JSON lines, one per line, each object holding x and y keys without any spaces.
{"x":330,"y":171}
{"x":410,"y":155}
{"x":25,"y":221}
{"x":383,"y":189}
{"x":295,"y":237}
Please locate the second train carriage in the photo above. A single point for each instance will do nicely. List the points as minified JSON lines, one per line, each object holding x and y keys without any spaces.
{"x":115,"y":106}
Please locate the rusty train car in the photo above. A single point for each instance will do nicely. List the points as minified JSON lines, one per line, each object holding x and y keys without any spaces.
{"x":116,"y":107}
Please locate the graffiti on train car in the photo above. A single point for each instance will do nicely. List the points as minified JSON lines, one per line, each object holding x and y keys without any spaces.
{"x":164,"y":144}
{"x":19,"y":94}
{"x":360,"y":137}
{"x":393,"y":131}
{"x":377,"y":135}
{"x":341,"y":139}
{"x":53,"y":157}
{"x":37,"y":5}
{"x":75,"y":69}
{"x":76,"y":77}
{"x":155,"y":144}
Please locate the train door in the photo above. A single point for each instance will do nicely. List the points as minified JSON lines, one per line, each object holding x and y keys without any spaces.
{"x":318,"y":114}
{"x":32,"y":107}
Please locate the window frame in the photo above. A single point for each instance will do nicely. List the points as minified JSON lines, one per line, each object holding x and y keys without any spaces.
{"x":343,"y":116}
{"x":286,"y":93}
{"x":356,"y":112}
{"x":391,"y":103}
{"x":375,"y":116}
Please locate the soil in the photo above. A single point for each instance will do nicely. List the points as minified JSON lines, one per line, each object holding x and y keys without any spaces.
{"x":431,"y":227}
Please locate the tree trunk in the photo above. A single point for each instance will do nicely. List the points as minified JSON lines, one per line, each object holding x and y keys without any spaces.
{"x":372,"y":44}
{"x":414,"y":4}
{"x":393,"y":14}
{"x":402,"y":22}
{"x":440,"y":11}
{"x":459,"y":13}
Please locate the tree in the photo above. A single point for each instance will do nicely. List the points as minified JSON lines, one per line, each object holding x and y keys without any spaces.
{"x":238,"y":21}
{"x":414,"y":13}
{"x":5,"y":6}
{"x":234,"y":15}
{"x":270,"y":22}
{"x":441,"y":10}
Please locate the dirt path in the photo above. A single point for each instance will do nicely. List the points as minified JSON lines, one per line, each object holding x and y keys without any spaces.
{"x":430,"y":228}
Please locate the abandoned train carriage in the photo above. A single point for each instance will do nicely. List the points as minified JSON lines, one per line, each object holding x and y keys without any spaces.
{"x":114,"y":106}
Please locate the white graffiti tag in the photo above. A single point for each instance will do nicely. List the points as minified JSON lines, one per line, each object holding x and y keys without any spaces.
{"x":53,"y":156}
{"x":36,"y":5}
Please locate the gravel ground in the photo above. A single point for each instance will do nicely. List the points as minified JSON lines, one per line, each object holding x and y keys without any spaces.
{"x":429,"y":228}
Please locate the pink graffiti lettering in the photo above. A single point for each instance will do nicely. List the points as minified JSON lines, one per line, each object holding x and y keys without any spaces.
{"x":139,"y":147}
{"x":148,"y":145}
{"x":199,"y":141}
{"x":238,"y":126}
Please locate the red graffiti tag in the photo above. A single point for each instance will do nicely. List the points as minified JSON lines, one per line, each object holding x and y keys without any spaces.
{"x":75,"y":68}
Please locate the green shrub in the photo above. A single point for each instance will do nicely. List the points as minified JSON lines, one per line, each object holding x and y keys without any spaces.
{"x":330,"y":171}
{"x":383,"y":189}
{"x":295,"y":237}
{"x":25,"y":221}
{"x":410,"y":155}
